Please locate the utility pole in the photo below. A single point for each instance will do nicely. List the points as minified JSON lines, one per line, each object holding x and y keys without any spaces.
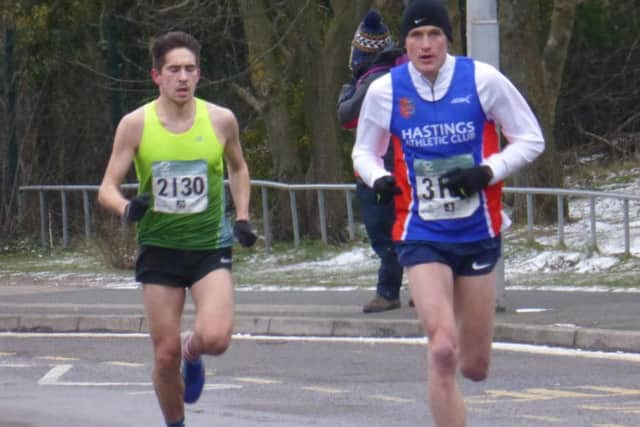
{"x":483,"y":44}
{"x":11,"y":92}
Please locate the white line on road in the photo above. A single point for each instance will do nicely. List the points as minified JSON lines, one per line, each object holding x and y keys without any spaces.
{"x":54,"y":374}
{"x":391,"y":398}
{"x":523,"y":348}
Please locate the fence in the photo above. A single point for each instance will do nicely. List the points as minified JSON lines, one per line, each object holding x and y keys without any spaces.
{"x":320,"y":190}
{"x":292,"y":189}
{"x":348,"y":189}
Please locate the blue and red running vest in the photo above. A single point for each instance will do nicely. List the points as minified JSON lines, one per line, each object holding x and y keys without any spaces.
{"x":431,"y":138}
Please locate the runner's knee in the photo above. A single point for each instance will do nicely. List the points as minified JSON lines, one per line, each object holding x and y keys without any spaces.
{"x":214,"y":342}
{"x":444,"y":357}
{"x":167,"y":358}
{"x":476,"y":369}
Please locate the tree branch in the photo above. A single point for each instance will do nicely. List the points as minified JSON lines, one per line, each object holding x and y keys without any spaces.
{"x":248,"y":97}
{"x":601,"y":139}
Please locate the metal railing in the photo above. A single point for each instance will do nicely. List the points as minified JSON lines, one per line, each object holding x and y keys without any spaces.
{"x":320,"y":189}
{"x":292,"y":189}
{"x":561,"y":194}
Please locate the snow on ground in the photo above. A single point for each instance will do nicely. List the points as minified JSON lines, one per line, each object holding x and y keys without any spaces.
{"x":544,"y":265}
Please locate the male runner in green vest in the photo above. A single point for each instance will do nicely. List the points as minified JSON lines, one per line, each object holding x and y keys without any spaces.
{"x":178,"y":143}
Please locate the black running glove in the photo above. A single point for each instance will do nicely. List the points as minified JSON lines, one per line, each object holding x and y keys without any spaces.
{"x":245,"y":236}
{"x":136,"y":208}
{"x":385,"y":188}
{"x":464,"y":183}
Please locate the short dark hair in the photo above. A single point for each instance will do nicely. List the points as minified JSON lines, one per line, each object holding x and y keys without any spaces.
{"x":169,"y":41}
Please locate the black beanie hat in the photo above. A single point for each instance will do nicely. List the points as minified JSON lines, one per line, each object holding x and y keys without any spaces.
{"x":425,"y":12}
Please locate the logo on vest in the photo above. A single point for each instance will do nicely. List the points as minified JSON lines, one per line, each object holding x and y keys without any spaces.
{"x":462,"y":100}
{"x":407,"y":107}
{"x":436,"y":134}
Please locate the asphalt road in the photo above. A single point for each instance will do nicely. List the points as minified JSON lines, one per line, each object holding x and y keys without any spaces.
{"x":100,"y":380}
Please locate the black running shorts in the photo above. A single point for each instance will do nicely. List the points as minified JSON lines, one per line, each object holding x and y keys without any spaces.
{"x":174,"y":267}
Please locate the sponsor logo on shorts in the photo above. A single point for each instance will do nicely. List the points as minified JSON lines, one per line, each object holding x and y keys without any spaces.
{"x":477,"y":266}
{"x":225,"y":260}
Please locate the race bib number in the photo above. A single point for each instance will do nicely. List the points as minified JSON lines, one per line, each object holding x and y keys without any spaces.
{"x":434,"y":201}
{"x":180,"y":186}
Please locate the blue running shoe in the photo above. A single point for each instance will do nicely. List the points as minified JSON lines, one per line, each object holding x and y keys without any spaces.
{"x":193,"y":376}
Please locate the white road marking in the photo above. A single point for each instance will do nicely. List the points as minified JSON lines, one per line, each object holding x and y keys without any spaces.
{"x":54,"y":374}
{"x":530,"y":310}
{"x":222,"y":387}
{"x":253,"y":380}
{"x":124,"y":364}
{"x":391,"y":398}
{"x":324,"y":390}
{"x":206,"y":387}
{"x":522,"y":348}
{"x":98,"y":384}
{"x":57,"y":358}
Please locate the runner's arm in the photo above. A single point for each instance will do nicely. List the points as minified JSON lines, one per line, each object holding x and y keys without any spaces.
{"x":239,"y":180}
{"x":372,"y":136}
{"x":125,"y":145}
{"x":504,"y":105}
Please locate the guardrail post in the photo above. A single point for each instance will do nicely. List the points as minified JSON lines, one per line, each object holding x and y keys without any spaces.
{"x":323,"y":216}
{"x":530,"y":202}
{"x":43,"y":218}
{"x":20,"y":207}
{"x":294,"y":219}
{"x":266,"y":219}
{"x":65,"y":220}
{"x":86,"y":208}
{"x":560,"y":221}
{"x":592,"y":218}
{"x":502,"y":304}
{"x":627,"y":245}
{"x":351,"y":226}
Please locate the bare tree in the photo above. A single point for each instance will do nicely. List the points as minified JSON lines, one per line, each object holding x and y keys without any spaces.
{"x":535,"y":60}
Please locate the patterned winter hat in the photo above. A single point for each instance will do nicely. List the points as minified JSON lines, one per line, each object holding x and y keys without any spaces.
{"x":371,"y":37}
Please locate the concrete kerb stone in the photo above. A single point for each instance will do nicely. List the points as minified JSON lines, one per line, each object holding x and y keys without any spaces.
{"x":251,"y":325}
{"x":110,"y":323}
{"x":300,"y":326}
{"x":608,"y":340}
{"x":48,"y":323}
{"x":376,"y":328}
{"x":9,"y":322}
{"x":552,"y":335}
{"x":560,"y":336}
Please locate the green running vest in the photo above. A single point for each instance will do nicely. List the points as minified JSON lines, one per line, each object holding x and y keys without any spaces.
{"x":184,"y":173}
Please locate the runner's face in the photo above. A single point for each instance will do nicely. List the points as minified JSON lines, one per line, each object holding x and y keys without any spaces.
{"x":178,"y":78}
{"x":427,"y":50}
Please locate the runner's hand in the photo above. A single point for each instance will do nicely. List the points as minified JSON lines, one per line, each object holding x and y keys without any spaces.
{"x":385,"y":188}
{"x":136,"y":208}
{"x":245,"y":236}
{"x":464,"y":183}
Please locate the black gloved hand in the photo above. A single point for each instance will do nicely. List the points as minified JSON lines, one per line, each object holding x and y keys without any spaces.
{"x":245,"y":236}
{"x":385,"y":188}
{"x":136,"y":208}
{"x":464,"y":183}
